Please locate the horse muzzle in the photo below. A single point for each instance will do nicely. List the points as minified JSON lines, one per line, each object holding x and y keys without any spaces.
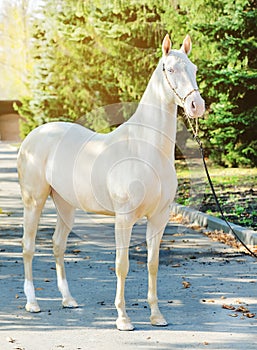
{"x":194,"y":105}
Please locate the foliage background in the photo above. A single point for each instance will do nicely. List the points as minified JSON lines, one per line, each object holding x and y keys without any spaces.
{"x":87,"y":54}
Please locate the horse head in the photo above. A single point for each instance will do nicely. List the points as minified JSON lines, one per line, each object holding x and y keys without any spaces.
{"x":180,"y":77}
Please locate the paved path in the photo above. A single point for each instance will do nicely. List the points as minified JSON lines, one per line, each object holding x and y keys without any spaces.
{"x":214,"y":274}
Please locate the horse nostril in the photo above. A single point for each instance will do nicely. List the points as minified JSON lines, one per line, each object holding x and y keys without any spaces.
{"x":193,"y":105}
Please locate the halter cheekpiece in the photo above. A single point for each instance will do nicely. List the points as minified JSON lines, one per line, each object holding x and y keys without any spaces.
{"x":182,"y":99}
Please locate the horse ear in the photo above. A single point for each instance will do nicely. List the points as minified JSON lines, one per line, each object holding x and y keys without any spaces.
{"x":187,"y":45}
{"x":166,"y":45}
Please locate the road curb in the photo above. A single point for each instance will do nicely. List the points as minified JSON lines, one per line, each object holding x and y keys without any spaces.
{"x":209,"y":222}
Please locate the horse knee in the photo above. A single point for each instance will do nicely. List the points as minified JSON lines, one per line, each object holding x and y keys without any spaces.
{"x":122,"y":269}
{"x":122,"y":273}
{"x":28,"y":249}
{"x":122,"y":263}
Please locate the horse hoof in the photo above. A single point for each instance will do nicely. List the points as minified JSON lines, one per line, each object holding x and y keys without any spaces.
{"x":32,"y":307}
{"x":124,"y":324}
{"x":158,"y":321}
{"x":69,"y":303}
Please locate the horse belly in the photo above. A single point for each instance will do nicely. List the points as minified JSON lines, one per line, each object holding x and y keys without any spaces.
{"x":70,"y":170}
{"x":90,"y":189}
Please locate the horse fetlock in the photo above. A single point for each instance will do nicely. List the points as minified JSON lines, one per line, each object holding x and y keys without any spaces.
{"x":124,"y":324}
{"x":120,"y":305}
{"x":152,"y":301}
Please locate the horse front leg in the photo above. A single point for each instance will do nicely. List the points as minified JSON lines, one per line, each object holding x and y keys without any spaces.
{"x":155,"y":229}
{"x":122,"y":237}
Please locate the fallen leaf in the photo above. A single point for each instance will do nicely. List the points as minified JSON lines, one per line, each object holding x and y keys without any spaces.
{"x":17,"y":296}
{"x":233,"y":315}
{"x":225,"y":238}
{"x":249,"y":315}
{"x":195,"y":227}
{"x":186,"y":284}
{"x":242,"y":309}
{"x":176,"y":265}
{"x":76,"y":251}
{"x":39,"y":288}
{"x":10,"y":340}
{"x":228,"y":307}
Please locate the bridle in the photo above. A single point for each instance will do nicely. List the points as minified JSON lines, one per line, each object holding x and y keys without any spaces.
{"x":182,"y":99}
{"x":195,"y":133}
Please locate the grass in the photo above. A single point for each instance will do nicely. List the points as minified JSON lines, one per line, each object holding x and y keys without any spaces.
{"x":236,"y":189}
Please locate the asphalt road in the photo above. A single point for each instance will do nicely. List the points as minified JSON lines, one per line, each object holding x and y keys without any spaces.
{"x":197,"y":279}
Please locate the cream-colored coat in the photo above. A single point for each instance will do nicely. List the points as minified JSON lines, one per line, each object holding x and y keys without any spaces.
{"x":128,"y":173}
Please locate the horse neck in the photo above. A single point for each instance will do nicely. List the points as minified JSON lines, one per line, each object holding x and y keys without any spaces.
{"x":157,"y":117}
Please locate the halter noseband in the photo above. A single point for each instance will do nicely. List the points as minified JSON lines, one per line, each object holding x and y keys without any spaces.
{"x":182,"y":99}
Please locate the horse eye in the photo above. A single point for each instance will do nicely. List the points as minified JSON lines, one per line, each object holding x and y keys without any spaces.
{"x":171,"y":70}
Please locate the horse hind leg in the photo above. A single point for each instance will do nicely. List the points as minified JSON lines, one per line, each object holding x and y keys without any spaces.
{"x":65,"y":220}
{"x":32,"y":211}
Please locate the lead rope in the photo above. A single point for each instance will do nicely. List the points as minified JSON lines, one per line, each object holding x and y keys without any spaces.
{"x":195,"y":133}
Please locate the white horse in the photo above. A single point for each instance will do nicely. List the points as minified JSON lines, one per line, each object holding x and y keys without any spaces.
{"x":128,"y":173}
